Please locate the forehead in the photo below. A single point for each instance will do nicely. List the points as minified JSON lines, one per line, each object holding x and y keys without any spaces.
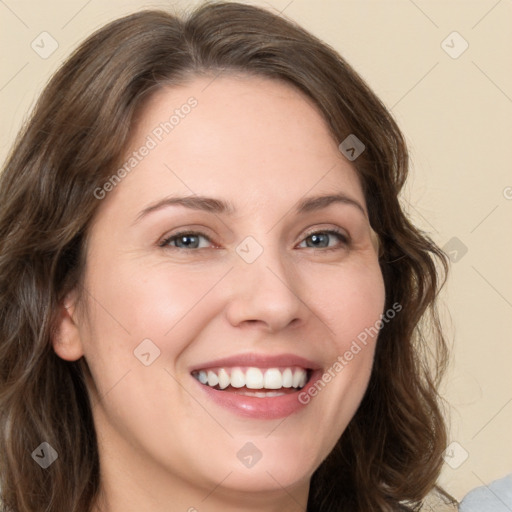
{"x":249,"y":139}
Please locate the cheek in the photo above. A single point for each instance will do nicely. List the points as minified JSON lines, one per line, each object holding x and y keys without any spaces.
{"x":348,"y":298}
{"x":137,"y":302}
{"x":350,"y":304}
{"x":172,"y":304}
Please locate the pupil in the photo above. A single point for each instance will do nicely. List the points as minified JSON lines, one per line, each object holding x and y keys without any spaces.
{"x":188,"y":240}
{"x":319,"y":240}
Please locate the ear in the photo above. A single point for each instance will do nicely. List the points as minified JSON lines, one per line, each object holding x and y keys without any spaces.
{"x":66,"y":340}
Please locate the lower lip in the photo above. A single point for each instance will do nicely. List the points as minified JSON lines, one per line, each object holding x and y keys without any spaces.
{"x":261,"y":408}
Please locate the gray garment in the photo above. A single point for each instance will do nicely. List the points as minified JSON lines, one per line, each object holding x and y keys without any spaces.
{"x":495,"y":497}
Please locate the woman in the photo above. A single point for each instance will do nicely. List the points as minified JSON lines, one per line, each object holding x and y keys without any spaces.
{"x":201,"y":241}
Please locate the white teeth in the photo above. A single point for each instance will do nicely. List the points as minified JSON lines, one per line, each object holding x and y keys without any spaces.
{"x":297,"y":378}
{"x":287,"y":378}
{"x":213,"y":380}
{"x":273,"y":379}
{"x":254,"y":378}
{"x":223,"y":379}
{"x":237,"y":378}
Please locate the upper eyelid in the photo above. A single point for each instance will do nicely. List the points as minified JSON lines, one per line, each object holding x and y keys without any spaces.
{"x":337,"y":230}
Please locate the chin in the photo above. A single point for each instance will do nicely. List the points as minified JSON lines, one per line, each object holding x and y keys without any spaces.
{"x":271,"y":464}
{"x":265,"y":480}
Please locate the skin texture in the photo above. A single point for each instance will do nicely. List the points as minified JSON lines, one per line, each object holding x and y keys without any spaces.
{"x":262,"y":146}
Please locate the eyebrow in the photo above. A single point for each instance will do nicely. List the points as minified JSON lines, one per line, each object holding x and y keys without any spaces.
{"x":219,"y":206}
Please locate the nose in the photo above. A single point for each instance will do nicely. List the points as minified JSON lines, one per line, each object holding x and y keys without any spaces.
{"x":266,"y":293}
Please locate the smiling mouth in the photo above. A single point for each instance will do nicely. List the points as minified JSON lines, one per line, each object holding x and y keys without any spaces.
{"x":253,"y":381}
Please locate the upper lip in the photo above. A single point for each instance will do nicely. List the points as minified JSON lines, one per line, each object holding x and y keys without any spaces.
{"x":259,"y":361}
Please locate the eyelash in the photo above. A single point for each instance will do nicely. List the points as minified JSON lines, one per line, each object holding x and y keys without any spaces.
{"x":344,"y":239}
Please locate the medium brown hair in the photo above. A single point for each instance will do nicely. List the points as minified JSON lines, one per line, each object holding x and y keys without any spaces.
{"x":390,"y":455}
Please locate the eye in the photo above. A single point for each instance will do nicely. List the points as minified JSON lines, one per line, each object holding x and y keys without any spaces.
{"x":186,"y":240}
{"x":323,"y":239}
{"x":326,"y":239}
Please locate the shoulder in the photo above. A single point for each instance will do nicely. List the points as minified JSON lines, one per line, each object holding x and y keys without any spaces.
{"x":495,"y":497}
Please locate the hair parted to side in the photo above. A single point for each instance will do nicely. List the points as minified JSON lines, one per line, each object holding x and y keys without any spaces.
{"x":390,"y":455}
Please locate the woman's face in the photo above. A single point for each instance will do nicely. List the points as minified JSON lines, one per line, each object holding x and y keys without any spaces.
{"x":215,"y":257}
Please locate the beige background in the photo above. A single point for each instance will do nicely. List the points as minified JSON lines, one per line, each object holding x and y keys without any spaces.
{"x":457,"y":116}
